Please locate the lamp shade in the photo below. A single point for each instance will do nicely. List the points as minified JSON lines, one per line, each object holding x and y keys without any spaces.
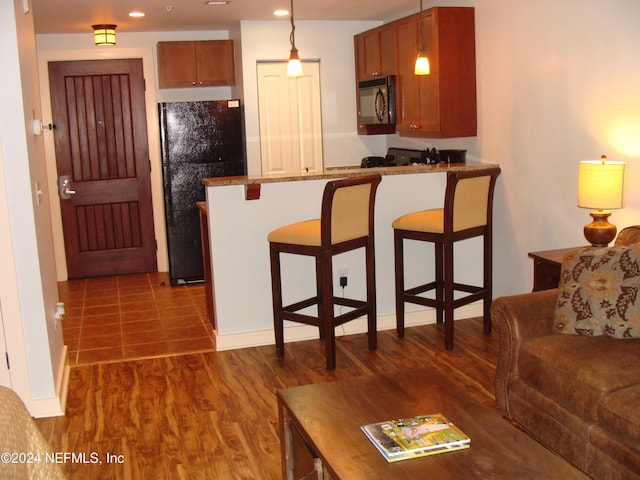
{"x":601,"y":184}
{"x":104,"y":34}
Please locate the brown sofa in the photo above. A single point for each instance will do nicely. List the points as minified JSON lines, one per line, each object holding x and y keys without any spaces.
{"x":573,"y":386}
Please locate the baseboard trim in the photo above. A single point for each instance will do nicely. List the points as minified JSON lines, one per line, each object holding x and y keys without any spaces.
{"x":296,"y":332}
{"x":55,"y":406}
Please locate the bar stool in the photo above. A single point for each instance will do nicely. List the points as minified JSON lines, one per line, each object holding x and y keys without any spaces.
{"x":467,"y":213}
{"x":346,"y":224}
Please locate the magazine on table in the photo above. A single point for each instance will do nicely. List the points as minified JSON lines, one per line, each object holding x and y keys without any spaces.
{"x":416,"y":437}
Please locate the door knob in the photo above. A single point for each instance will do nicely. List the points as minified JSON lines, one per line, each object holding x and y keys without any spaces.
{"x":64,"y":187}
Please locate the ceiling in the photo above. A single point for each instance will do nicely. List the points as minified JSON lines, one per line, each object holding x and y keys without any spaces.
{"x":77,"y":16}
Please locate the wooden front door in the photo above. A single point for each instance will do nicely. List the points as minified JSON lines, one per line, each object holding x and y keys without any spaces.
{"x":101,"y":146}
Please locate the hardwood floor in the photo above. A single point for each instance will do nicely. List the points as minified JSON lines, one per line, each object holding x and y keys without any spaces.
{"x":213,"y":415}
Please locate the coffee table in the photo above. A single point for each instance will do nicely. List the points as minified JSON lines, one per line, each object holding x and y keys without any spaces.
{"x":321,"y":438}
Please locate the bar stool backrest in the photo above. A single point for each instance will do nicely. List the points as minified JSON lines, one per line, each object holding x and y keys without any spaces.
{"x":347,"y":209}
{"x":469,"y":198}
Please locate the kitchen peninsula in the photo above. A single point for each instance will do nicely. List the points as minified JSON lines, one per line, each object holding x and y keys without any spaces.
{"x":242,"y":210}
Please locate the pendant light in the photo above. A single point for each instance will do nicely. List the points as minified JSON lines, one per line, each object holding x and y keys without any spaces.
{"x":422,"y":61}
{"x":294,"y":67}
{"x":104,"y":35}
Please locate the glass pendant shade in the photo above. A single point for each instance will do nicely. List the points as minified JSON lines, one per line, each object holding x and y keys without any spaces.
{"x":294,"y":67}
{"x":422,"y":65}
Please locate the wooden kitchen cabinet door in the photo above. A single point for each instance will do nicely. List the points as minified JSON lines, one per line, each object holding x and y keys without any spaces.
{"x":195,"y":64}
{"x":442,"y":104}
{"x":214,"y":62}
{"x":375,"y":53}
{"x":379,"y":51}
{"x":177,"y":64}
{"x":407,"y":85}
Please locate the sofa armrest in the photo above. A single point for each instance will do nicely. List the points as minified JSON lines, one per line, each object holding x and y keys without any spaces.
{"x":518,"y":318}
{"x":19,"y":433}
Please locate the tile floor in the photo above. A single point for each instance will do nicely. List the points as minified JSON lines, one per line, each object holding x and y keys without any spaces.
{"x":129,"y":317}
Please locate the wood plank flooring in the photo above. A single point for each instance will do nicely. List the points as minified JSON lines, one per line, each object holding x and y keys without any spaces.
{"x":213,"y":415}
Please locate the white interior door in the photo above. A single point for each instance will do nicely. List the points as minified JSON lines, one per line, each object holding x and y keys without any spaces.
{"x":290,"y":119}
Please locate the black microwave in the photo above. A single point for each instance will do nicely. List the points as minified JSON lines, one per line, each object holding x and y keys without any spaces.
{"x":377,"y":101}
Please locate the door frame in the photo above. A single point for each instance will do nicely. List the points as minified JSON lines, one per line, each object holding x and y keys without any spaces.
{"x":146,"y":54}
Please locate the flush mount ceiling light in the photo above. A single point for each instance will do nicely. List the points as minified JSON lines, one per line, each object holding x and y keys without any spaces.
{"x":294,"y":67}
{"x":104,"y":35}
{"x":136,"y":14}
{"x":281,"y":12}
{"x":217,"y":2}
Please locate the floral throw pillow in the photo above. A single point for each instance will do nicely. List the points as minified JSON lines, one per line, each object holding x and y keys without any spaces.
{"x":600,"y":292}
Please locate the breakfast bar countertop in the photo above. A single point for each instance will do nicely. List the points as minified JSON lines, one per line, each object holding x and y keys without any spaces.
{"x":343,"y":172}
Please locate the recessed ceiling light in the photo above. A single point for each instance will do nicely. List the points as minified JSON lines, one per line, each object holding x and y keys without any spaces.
{"x":281,"y":13}
{"x":217,"y":2}
{"x":136,"y":14}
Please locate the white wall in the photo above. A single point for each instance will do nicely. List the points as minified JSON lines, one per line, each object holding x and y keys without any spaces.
{"x":28,"y":290}
{"x":557,"y":83}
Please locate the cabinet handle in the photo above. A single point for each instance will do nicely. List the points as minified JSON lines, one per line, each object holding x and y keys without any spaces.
{"x":193,"y":83}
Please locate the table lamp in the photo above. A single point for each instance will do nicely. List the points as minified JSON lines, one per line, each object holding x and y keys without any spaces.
{"x":601,"y":185}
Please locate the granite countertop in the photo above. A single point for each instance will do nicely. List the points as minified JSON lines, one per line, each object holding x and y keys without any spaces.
{"x":343,"y":172}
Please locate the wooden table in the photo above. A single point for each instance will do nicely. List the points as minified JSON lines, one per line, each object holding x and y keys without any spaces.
{"x":320,"y":430}
{"x":546,"y":267}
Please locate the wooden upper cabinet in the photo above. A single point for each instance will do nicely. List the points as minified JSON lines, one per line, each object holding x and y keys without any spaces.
{"x":375,"y":52}
{"x":442,"y":104}
{"x":206,"y":63}
{"x":439,"y":105}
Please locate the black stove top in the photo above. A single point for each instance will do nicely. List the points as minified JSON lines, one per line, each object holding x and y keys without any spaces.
{"x":400,"y":157}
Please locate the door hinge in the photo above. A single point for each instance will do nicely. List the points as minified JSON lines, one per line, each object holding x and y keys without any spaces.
{"x":6,"y":356}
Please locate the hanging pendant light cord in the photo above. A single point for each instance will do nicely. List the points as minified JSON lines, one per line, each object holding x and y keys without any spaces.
{"x":423,"y":43}
{"x":292,"y":37}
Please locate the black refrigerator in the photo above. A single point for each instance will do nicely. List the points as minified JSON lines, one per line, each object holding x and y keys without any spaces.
{"x":198,"y":140}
